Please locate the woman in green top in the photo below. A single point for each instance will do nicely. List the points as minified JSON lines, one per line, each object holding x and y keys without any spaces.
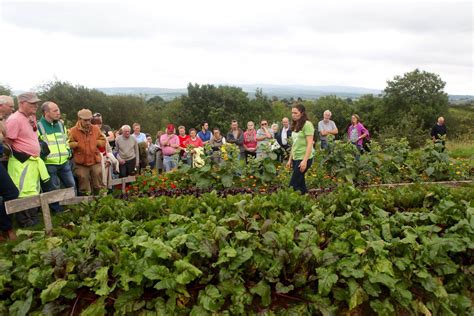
{"x":302,"y":153}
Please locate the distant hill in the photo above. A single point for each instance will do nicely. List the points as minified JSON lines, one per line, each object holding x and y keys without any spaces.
{"x":279,"y":91}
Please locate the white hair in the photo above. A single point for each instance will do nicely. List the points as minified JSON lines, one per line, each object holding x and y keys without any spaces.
{"x":126,"y":127}
{"x":6,"y":99}
{"x":327,"y":112}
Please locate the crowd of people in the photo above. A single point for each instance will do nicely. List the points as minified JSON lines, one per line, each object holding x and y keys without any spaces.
{"x":43,"y":155}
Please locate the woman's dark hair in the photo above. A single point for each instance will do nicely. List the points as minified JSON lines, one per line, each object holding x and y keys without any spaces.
{"x":298,"y":125}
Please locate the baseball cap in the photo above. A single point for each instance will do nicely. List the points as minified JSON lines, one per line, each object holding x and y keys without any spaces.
{"x":29,"y":97}
{"x":170,"y":128}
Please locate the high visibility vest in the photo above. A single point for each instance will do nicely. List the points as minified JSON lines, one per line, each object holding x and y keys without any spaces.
{"x":27,"y":175}
{"x":59,"y":151}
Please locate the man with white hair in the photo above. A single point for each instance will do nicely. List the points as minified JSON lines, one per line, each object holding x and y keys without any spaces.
{"x":6,"y":108}
{"x":8,"y":190}
{"x":438,"y":132}
{"x":326,"y":127}
{"x":127,"y":153}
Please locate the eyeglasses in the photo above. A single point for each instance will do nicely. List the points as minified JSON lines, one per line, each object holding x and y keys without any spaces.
{"x":264,"y":123}
{"x":97,"y":115}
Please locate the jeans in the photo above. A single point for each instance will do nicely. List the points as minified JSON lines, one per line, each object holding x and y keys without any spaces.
{"x":297,"y":181}
{"x":58,"y":174}
{"x":324,"y":144}
{"x":8,"y":191}
{"x":169,"y":163}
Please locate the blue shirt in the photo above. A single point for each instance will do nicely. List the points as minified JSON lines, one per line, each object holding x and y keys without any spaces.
{"x":140,"y":138}
{"x":205,"y":137}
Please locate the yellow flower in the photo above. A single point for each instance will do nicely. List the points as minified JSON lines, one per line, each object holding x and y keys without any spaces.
{"x":458,"y":172}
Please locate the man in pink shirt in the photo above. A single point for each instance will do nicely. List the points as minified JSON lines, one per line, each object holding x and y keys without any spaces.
{"x":170,"y":148}
{"x":25,"y":166}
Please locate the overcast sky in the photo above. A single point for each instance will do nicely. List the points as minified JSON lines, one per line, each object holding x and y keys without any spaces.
{"x":171,"y":43}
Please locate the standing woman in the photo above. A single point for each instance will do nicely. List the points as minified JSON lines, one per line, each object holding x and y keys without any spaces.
{"x":357,"y":132}
{"x":301,"y":156}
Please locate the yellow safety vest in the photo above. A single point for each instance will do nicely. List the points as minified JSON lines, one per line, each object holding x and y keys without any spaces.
{"x":59,"y":151}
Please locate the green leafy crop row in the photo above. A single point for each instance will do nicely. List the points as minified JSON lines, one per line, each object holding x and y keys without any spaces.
{"x":400,"y":251}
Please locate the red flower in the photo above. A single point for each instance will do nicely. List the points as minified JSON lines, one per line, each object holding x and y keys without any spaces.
{"x":172,"y":185}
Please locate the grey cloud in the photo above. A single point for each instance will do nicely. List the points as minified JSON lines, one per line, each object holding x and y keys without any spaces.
{"x":145,"y":20}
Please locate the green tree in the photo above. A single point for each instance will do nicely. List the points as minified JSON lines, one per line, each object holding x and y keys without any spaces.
{"x":5,"y":90}
{"x":419,"y":94}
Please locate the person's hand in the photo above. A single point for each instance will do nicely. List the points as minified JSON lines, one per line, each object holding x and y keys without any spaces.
{"x":303,"y":165}
{"x":324,"y":133}
{"x":288,"y":164}
{"x":121,"y":161}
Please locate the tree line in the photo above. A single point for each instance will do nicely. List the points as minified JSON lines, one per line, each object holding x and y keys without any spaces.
{"x":408,"y":107}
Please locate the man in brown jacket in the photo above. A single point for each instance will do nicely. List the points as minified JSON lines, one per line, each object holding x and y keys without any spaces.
{"x":84,"y":140}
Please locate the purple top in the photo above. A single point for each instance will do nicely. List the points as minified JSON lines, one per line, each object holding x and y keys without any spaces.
{"x":360,"y":131}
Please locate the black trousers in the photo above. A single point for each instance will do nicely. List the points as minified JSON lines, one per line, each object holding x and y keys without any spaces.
{"x":297,"y":181}
{"x":8,"y":191}
{"x":128,"y":168}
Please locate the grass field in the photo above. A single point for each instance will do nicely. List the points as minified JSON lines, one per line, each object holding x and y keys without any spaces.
{"x":461,"y":149}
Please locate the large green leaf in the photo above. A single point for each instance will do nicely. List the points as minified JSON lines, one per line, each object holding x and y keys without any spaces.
{"x":263,"y":290}
{"x":97,"y":308}
{"x":326,"y":282}
{"x":53,"y":291}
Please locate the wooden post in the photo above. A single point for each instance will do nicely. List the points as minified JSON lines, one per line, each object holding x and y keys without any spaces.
{"x":48,"y":225}
{"x":43,"y":200}
{"x":123,"y":182}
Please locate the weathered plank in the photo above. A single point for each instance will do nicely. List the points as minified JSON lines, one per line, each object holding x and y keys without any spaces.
{"x":123,"y":181}
{"x":78,"y":199}
{"x":19,"y":205}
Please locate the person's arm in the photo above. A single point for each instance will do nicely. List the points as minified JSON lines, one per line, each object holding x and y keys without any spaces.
{"x":334,"y":131}
{"x":137,"y":153}
{"x":260,"y":138}
{"x":175,"y":142}
{"x":240,"y":140}
{"x":72,"y":142}
{"x":309,"y":149}
{"x":117,"y":151}
{"x":364,"y":132}
{"x":101,"y":139}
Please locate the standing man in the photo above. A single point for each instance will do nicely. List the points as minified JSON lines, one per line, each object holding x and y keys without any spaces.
{"x":282,"y":138}
{"x":127,"y":153}
{"x":85,"y":140}
{"x":25,"y":166}
{"x":236,"y":136}
{"x":8,"y":190}
{"x":6,"y":108}
{"x":326,"y":127}
{"x":51,"y":131}
{"x":170,"y":148}
{"x":204,"y":134}
{"x":140,"y":137}
{"x":438,"y":132}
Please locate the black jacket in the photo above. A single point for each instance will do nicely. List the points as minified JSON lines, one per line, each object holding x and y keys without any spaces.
{"x":278,"y":137}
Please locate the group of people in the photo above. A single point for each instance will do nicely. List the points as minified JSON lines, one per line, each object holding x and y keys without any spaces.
{"x":43,"y":155}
